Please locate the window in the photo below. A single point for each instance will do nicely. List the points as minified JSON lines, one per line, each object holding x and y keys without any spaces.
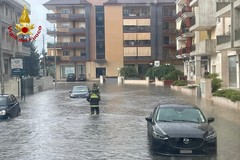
{"x":82,"y":39}
{"x":65,"y":11}
{"x":166,"y":40}
{"x":65,"y":25}
{"x":66,"y":53}
{"x":6,"y":9}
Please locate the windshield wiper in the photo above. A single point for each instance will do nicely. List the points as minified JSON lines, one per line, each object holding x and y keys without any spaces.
{"x":164,"y":120}
{"x":182,"y":120}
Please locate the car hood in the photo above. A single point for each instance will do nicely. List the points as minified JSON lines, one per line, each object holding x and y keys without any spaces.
{"x":182,"y":129}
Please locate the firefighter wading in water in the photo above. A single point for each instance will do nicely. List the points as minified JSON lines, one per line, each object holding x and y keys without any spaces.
{"x":94,"y":99}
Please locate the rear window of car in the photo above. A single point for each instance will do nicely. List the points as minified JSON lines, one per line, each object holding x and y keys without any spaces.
{"x":3,"y":100}
{"x":80,"y":89}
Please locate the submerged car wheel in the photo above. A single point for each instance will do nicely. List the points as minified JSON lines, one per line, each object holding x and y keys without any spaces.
{"x":8,"y":116}
{"x":153,"y":146}
{"x":19,"y":112}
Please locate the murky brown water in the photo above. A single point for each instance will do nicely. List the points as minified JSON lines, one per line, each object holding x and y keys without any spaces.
{"x":54,"y":127}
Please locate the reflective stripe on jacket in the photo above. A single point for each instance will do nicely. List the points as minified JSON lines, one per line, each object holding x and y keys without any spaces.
{"x":94,"y":99}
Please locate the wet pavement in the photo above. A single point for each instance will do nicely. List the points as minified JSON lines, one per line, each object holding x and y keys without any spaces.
{"x":54,"y":127}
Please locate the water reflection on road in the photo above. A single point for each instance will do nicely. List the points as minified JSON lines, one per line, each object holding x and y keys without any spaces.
{"x":53,"y":126}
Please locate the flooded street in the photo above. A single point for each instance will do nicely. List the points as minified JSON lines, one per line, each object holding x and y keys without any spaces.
{"x":54,"y":127}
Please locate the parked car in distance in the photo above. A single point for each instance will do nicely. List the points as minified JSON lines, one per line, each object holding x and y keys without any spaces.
{"x":181,"y":129}
{"x":82,"y":77}
{"x":71,"y":77}
{"x":9,"y":106}
{"x":79,"y":92}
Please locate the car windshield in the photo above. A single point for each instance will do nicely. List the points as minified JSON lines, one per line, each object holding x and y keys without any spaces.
{"x":3,"y":101}
{"x":180,"y":114}
{"x":80,"y":89}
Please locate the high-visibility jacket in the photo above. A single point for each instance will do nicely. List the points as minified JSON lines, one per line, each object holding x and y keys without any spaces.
{"x":94,"y":99}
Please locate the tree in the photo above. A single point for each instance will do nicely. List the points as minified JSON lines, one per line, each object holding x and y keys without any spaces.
{"x":128,"y":71}
{"x":31,"y":63}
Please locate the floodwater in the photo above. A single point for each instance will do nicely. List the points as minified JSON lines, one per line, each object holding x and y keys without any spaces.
{"x":54,"y":127}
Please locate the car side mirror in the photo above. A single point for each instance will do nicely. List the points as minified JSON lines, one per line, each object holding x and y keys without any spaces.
{"x":70,"y":91}
{"x":210,"y":119}
{"x":149,"y":119}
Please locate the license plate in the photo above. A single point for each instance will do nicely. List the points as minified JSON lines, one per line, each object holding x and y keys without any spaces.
{"x":185,"y":151}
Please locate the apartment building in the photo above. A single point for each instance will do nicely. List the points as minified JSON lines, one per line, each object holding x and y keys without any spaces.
{"x":228,"y":41}
{"x":208,"y":39}
{"x":110,"y":34}
{"x":196,"y":42}
{"x":10,"y":12}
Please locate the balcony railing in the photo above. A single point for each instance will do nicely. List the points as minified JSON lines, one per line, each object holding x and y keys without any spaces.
{"x":67,"y":45}
{"x":52,"y":58}
{"x":221,"y":39}
{"x":67,"y":31}
{"x":184,"y":10}
{"x":77,"y":58}
{"x":221,"y":5}
{"x":65,"y":17}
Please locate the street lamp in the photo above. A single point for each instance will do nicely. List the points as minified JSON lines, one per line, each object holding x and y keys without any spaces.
{"x":1,"y":61}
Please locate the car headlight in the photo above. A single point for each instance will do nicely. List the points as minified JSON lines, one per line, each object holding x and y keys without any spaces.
{"x":3,"y":112}
{"x":211,"y":136}
{"x":159,"y":136}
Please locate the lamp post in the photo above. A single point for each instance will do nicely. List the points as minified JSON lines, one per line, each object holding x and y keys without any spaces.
{"x":1,"y":61}
{"x":55,"y":61}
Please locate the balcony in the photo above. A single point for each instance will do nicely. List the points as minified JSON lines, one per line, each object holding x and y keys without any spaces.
{"x":187,"y":33}
{"x":205,"y":47}
{"x":223,"y":9}
{"x":7,"y":46}
{"x":23,"y":51}
{"x":52,"y":58}
{"x":183,"y":52}
{"x":182,"y":2}
{"x":180,"y":36}
{"x":67,"y":45}
{"x":194,"y":3}
{"x":223,"y":42}
{"x":185,"y":12}
{"x":58,"y":17}
{"x":198,"y":23}
{"x":75,"y":59}
{"x":66,"y":31}
{"x":237,"y":38}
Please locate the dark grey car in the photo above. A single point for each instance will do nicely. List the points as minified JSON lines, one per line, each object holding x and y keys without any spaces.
{"x":175,"y":129}
{"x":9,"y":106}
{"x":79,"y":92}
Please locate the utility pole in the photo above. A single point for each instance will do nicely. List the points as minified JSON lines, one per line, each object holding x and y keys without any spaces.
{"x":44,"y":58}
{"x":55,"y":59}
{"x":1,"y":61}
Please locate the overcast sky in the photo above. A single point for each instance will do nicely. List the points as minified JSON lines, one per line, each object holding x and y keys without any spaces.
{"x":38,"y":18}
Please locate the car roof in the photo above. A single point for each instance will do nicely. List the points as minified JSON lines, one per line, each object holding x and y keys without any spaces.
{"x":175,"y":105}
{"x":80,"y":86}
